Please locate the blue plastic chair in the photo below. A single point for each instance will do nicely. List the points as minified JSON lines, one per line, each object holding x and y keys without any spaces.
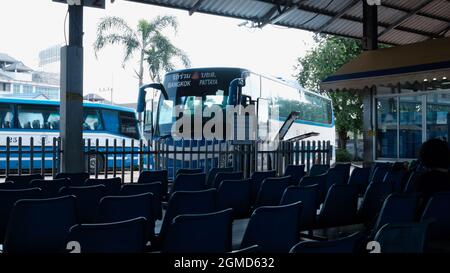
{"x":187,"y":202}
{"x":336,"y":176}
{"x":112,"y":184}
{"x":411,"y":184}
{"x":339,"y":208}
{"x":23,"y":181}
{"x":256,"y":180}
{"x":271,"y":191}
{"x":373,"y":200}
{"x":226,"y":176}
{"x":88,"y":198}
{"x":397,"y":208}
{"x":199,"y":233}
{"x":156,"y":176}
{"x":343,"y":169}
{"x":9,"y":185}
{"x":274,"y":229}
{"x":319,"y":180}
{"x":437,"y":212}
{"x":296,"y":172}
{"x":50,"y":188}
{"x":189,"y":182}
{"x":396,"y":179}
{"x":360,"y":179}
{"x":121,"y":208}
{"x":402,"y":238}
{"x":234,"y":194}
{"x":349,"y":244}
{"x":380,"y":172}
{"x":140,"y":188}
{"x":7,"y":200}
{"x":118,"y":237}
{"x":40,"y":226}
{"x":76,"y":179}
{"x":212,"y":175}
{"x":308,"y":196}
{"x":318,"y":169}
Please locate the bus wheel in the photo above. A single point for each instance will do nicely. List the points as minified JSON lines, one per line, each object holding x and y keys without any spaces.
{"x":92,"y":163}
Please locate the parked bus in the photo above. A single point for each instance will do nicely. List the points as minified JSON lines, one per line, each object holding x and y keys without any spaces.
{"x":40,"y":120}
{"x":282,"y":110}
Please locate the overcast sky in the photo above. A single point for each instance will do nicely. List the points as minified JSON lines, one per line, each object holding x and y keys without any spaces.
{"x":28,"y":26}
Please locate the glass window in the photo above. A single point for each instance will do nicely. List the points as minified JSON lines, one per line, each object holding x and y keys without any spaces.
{"x":128,"y":124}
{"x":111,"y":120}
{"x":410,"y":126}
{"x":16,"y":89}
{"x":27,"y":89}
{"x":6,"y":116}
{"x":92,"y":120}
{"x":386,"y":127}
{"x":438,"y":116}
{"x":38,"y":117}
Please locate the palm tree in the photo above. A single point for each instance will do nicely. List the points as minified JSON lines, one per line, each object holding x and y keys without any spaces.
{"x":147,"y":40}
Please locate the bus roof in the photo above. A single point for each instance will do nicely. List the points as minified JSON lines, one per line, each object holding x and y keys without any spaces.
{"x":56,"y":102}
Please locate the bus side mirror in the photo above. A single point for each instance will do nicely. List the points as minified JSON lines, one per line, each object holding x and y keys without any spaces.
{"x":234,"y":91}
{"x":142,"y":94}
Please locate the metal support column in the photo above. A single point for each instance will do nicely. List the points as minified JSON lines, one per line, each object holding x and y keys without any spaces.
{"x":370,"y":26}
{"x":71,"y":109}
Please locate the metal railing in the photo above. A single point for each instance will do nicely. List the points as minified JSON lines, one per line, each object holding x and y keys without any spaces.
{"x":127,"y":158}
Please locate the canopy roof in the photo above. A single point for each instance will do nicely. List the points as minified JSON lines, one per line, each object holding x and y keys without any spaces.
{"x":399,"y":21}
{"x":409,"y":63}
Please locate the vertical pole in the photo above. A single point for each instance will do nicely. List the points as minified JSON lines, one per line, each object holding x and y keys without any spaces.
{"x":71,"y":96}
{"x":370,"y":26}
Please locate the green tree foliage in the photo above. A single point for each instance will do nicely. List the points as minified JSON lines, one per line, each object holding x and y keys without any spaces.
{"x":147,"y":40}
{"x":327,"y":56}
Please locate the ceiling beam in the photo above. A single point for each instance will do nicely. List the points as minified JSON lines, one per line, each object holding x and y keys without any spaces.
{"x":289,"y":6}
{"x":338,"y":15}
{"x":406,"y":17}
{"x":196,"y":6}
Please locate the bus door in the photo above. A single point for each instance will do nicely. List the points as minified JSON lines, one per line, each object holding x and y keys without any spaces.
{"x":263,"y":118}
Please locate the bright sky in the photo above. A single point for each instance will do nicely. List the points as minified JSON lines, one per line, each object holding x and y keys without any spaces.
{"x":30,"y":26}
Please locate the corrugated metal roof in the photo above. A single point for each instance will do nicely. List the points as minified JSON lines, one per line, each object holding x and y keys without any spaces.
{"x":432,"y":20}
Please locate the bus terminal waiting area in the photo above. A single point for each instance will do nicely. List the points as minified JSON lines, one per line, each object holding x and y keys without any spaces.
{"x":340,"y":209}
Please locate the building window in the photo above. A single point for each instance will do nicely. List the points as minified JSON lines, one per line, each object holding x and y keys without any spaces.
{"x":16,"y":89}
{"x":387,"y":127}
{"x":438,"y":116}
{"x":410,"y":129}
{"x":27,"y":89}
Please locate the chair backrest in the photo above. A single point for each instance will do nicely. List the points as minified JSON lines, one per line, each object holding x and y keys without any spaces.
{"x":318,"y":169}
{"x":411,"y":184}
{"x":189,"y":182}
{"x":139,"y":188}
{"x":226,"y":176}
{"x":256,"y":180}
{"x":9,"y":185}
{"x":340,"y":206}
{"x":23,"y":180}
{"x":40,"y":225}
{"x":343,"y":168}
{"x":349,"y":244}
{"x":121,"y":208}
{"x":273,"y":229}
{"x":308,"y":196}
{"x":112,"y":184}
{"x":271,"y":191}
{"x":200,"y":233}
{"x":155,"y":176}
{"x":360,"y":178}
{"x":437,"y":210}
{"x":247,"y":250}
{"x":76,"y":179}
{"x":189,"y":171}
{"x":396,"y":179}
{"x":117,"y":237}
{"x":397,"y":208}
{"x":386,"y":166}
{"x":402,"y":238}
{"x":212,"y":174}
{"x":7,"y":200}
{"x":234,"y":194}
{"x":335,"y":176}
{"x":87,"y":200}
{"x":50,"y":188}
{"x":373,"y":200}
{"x":319,"y":180}
{"x":379,"y":173}
{"x":188,"y":202}
{"x":296,"y":172}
